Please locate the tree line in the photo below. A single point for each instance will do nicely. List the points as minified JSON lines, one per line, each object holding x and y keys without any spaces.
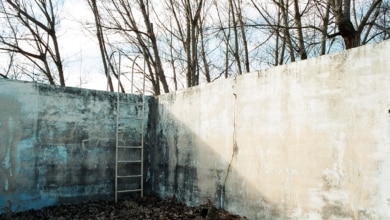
{"x":183,"y":43}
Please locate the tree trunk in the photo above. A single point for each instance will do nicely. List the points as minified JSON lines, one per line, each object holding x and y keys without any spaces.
{"x":350,"y":36}
{"x":235,"y":32}
{"x":324,"y":29}
{"x":298,"y":22}
{"x":342,"y":13}
{"x":243,"y":35}
{"x":203,"y":53}
{"x":158,"y":64}
{"x":102,"y":45}
{"x":287,"y":36}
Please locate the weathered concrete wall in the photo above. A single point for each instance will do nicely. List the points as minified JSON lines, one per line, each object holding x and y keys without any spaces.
{"x":57,"y":145}
{"x":309,"y":140}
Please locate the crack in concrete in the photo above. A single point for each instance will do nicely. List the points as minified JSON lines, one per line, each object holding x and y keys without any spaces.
{"x":234,"y":153}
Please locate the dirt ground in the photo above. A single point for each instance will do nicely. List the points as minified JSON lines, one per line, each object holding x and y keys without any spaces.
{"x":146,"y":208}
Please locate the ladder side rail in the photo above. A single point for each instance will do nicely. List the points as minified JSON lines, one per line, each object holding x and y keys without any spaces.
{"x":142,"y":130}
{"x":132,"y":73}
{"x":117,"y":131}
{"x":141,"y":147}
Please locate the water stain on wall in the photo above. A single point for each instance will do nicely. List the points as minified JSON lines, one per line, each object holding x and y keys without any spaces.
{"x":11,"y":133}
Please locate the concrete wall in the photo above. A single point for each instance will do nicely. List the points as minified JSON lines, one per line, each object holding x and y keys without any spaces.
{"x":308,"y":140}
{"x":57,"y":145}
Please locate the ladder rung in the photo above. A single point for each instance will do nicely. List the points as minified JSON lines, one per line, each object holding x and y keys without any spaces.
{"x":130,"y":161}
{"x":129,"y":190}
{"x":130,"y":176}
{"x":124,"y":130}
{"x":130,"y":117}
{"x":130,"y":103}
{"x":131,"y":147}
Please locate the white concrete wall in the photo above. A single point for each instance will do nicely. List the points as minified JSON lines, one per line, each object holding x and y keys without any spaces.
{"x":308,"y":140}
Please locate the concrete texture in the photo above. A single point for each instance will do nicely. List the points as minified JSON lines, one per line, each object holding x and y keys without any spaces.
{"x":57,"y":145}
{"x":308,"y":140}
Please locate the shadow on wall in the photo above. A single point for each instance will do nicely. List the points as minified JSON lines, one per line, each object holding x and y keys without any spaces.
{"x":308,"y":140}
{"x":196,"y":159}
{"x":184,"y":165}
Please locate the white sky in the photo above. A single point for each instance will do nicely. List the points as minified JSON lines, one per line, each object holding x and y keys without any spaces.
{"x":80,"y":51}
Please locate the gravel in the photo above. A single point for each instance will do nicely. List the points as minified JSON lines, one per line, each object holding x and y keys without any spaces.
{"x":146,"y":208}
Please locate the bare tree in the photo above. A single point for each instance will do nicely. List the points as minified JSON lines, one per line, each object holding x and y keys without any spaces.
{"x":298,"y":22}
{"x":187,"y":17}
{"x":225,"y":31}
{"x":232,"y":28}
{"x":159,"y":70}
{"x":31,"y":32}
{"x":203,"y":51}
{"x":8,"y":69}
{"x":324,"y":13}
{"x":122,"y":22}
{"x":278,"y":27}
{"x":342,"y":13}
{"x":102,"y":44}
{"x":240,"y":35}
{"x":378,"y":26}
{"x":184,"y":37}
{"x":236,"y":54}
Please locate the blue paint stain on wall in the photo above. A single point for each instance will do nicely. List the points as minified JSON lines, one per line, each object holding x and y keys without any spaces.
{"x":3,"y":203}
{"x":57,"y":154}
{"x":25,"y":201}
{"x":29,"y":201}
{"x":62,"y":153}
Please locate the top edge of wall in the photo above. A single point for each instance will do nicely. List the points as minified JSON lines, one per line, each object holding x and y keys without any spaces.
{"x":318,"y":60}
{"x":60,"y":88}
{"x":221,"y":81}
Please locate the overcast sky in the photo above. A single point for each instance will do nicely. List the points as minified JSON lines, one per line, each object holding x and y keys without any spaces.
{"x":80,"y":51}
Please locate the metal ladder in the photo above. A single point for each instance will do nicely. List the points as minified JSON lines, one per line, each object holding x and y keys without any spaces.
{"x":129,"y":151}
